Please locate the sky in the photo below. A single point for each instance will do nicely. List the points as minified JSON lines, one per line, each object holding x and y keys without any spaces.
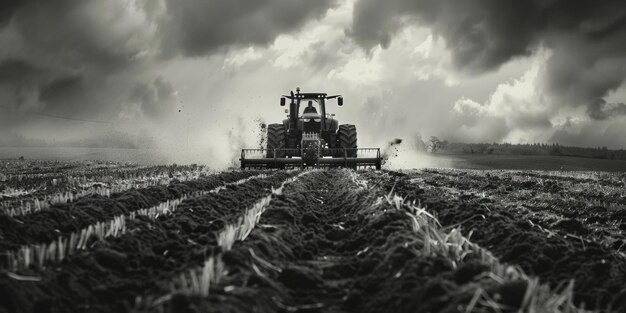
{"x":195,"y":78}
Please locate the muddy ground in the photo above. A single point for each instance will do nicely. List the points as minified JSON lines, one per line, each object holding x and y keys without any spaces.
{"x":330,"y":241}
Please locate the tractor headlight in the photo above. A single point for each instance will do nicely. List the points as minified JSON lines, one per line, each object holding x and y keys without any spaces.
{"x":308,"y":119}
{"x":317,"y":119}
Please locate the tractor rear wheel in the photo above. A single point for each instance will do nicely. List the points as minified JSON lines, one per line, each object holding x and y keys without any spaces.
{"x":276,"y":139}
{"x":346,"y":139}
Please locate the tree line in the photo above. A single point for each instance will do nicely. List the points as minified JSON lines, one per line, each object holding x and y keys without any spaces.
{"x":437,"y":145}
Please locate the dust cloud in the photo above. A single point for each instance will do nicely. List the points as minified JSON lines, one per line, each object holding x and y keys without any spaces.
{"x":408,"y":154}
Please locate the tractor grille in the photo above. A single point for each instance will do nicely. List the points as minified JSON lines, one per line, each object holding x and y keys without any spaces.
{"x":309,"y":127}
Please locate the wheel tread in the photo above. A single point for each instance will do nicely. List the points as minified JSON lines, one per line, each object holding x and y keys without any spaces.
{"x":276,"y":138}
{"x":347,"y":138}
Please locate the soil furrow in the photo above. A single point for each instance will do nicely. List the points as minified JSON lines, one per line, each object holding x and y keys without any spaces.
{"x":33,"y":176}
{"x":45,"y":226}
{"x":65,"y":245}
{"x":547,"y":203}
{"x":598,"y":272}
{"x":573,"y":200}
{"x":116,"y":270}
{"x":31,"y":201}
{"x":333,"y":240}
{"x":50,"y":188}
{"x":298,"y":233}
{"x":327,"y":246}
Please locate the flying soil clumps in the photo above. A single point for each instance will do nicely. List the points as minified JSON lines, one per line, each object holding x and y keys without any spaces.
{"x":391,"y":150}
{"x":262,"y":130}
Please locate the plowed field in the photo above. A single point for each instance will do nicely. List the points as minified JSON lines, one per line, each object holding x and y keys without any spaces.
{"x":192,"y":240}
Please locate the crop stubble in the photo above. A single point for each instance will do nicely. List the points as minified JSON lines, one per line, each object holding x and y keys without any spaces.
{"x":321,"y":246}
{"x":580,"y":244}
{"x":116,"y":270}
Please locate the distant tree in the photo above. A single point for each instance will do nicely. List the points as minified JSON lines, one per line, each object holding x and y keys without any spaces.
{"x":556,"y":150}
{"x":481,"y":148}
{"x":434,"y":144}
{"x":443,"y":145}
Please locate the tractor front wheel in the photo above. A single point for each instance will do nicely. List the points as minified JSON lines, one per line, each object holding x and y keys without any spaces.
{"x":346,"y":139}
{"x":276,"y":140}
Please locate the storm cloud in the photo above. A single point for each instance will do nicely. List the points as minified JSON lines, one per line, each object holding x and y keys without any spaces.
{"x":198,"y":27}
{"x":189,"y":71}
{"x":67,"y":57}
{"x":587,"y":39}
{"x":71,"y":69}
{"x":86,"y":53}
{"x":155,"y":100}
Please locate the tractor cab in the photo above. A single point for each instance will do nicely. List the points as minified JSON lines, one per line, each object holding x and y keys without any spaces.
{"x":310,"y":120}
{"x":310,"y":113}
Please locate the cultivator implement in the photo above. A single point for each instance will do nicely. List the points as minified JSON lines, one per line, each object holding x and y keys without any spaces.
{"x":327,"y":157}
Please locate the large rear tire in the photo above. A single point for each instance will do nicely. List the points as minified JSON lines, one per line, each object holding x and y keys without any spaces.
{"x":346,"y":138}
{"x":276,"y":139}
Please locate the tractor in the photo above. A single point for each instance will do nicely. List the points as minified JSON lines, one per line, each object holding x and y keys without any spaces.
{"x":311,"y":138}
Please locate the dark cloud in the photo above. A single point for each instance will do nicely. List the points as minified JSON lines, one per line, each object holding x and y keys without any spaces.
{"x":19,"y":72}
{"x":58,"y":90}
{"x":601,"y":110}
{"x":20,"y":82}
{"x":7,"y":9}
{"x":198,"y":27}
{"x":83,"y":35}
{"x":586,"y":37}
{"x":585,"y":73}
{"x":71,"y":56}
{"x":609,"y":133}
{"x":156,"y":100}
{"x":483,"y":34}
{"x":28,"y":88}
{"x":64,"y":57}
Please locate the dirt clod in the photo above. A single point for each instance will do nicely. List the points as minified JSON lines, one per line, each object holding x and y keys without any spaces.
{"x":337,"y":234}
{"x":571,"y":226}
{"x":109,"y":258}
{"x":298,"y":277}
